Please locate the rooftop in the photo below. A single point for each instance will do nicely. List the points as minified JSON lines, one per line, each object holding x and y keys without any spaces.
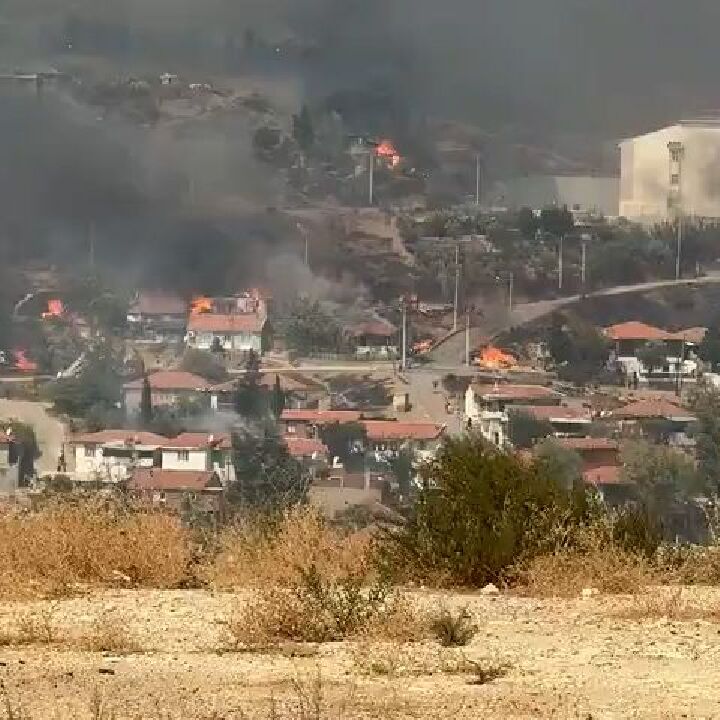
{"x":589,"y":443}
{"x":305,"y":447}
{"x":235,"y":323}
{"x":118,"y":437}
{"x":515,"y":392}
{"x":200,"y":441}
{"x":156,"y":303}
{"x":378,"y":328}
{"x":320,"y":417}
{"x":178,"y":480}
{"x":605,"y":475}
{"x":653,"y":409}
{"x":635,"y":330}
{"x":555,"y":413}
{"x":171,"y":380}
{"x":394,"y":430}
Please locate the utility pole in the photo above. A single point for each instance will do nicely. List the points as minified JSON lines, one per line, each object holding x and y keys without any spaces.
{"x":583,"y":264}
{"x":467,"y":337}
{"x":511,"y":283}
{"x":91,"y":238}
{"x":403,"y":363}
{"x":457,"y":286}
{"x":560,"y":263}
{"x":306,"y":236}
{"x":477,"y":180}
{"x":679,"y":245}
{"x":372,"y":177}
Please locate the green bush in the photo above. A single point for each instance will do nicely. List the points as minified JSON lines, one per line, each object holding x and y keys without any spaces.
{"x":636,"y":530}
{"x":480,"y":512}
{"x":453,"y":629}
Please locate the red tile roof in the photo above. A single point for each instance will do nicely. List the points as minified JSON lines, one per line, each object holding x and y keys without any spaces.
{"x":589,"y":443}
{"x":321,"y":417}
{"x":305,"y":447}
{"x":605,"y":475}
{"x":555,"y":413}
{"x":654,"y":409}
{"x":159,"y":479}
{"x":200,"y":441}
{"x":236,"y":323}
{"x":171,"y":380}
{"x":156,"y":303}
{"x":635,"y":330}
{"x":515,"y":392}
{"x":114,"y":437}
{"x":393,"y":430}
{"x":379,"y":328}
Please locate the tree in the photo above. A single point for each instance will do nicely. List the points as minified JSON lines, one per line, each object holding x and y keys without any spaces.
{"x":556,"y":221}
{"x":146,"y":407}
{"x":709,"y":349}
{"x":662,"y":476}
{"x":560,"y":463}
{"x":268,"y":478}
{"x":526,"y":222}
{"x":525,"y":429}
{"x":481,"y":511}
{"x":653,"y":355}
{"x":249,"y":394}
{"x":204,"y":364}
{"x":303,"y":130}
{"x":25,"y":450}
{"x":277,"y":401}
{"x":308,"y":328}
{"x":578,"y":349}
{"x":706,"y":405}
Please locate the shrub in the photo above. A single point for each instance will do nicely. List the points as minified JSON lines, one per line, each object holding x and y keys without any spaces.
{"x":318,"y":610}
{"x":636,"y":530}
{"x":453,"y":629}
{"x":480,"y":512}
{"x":261,"y":552}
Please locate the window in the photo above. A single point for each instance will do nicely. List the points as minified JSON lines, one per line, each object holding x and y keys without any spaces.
{"x":291,"y":429}
{"x":183,"y":455}
{"x":675,"y":179}
{"x":89,"y":451}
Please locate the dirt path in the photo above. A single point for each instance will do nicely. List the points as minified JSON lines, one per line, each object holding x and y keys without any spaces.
{"x":566,"y":659}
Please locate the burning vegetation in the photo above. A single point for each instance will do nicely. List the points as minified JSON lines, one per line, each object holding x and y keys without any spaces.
{"x":386,"y":151}
{"x":200,"y":305}
{"x":493,"y":358}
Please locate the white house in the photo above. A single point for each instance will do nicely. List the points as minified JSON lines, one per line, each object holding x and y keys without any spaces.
{"x":200,"y":451}
{"x":110,"y":456}
{"x":486,"y":407}
{"x":233,"y":332}
{"x":670,"y":171}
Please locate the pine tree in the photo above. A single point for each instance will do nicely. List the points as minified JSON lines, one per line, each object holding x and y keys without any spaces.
{"x":278,"y":398}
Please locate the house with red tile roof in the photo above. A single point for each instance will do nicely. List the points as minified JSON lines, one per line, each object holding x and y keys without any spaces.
{"x":374,"y":338}
{"x":233,"y":332}
{"x":305,"y":449}
{"x":487,"y":406}
{"x":168,"y":387}
{"x":181,"y":491}
{"x":393,"y":435}
{"x":658,"y":419}
{"x":200,"y":451}
{"x":679,"y":362}
{"x":565,"y":421}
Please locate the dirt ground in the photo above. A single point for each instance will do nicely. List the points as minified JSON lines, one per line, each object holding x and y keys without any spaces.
{"x":564,"y":659}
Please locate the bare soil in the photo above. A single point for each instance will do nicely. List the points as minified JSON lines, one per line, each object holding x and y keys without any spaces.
{"x":565,"y":659}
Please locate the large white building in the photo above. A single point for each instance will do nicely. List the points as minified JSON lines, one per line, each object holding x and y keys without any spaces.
{"x":672,"y":171}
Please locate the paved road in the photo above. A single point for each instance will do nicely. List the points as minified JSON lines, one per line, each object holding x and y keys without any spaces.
{"x":452,"y":351}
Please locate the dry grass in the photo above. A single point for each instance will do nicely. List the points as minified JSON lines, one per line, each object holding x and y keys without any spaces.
{"x":251,"y":556}
{"x":32,"y":628}
{"x":110,"y":635}
{"x":57,"y":549}
{"x":676,"y":604}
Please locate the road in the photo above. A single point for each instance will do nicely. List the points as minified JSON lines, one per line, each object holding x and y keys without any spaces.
{"x":452,"y":351}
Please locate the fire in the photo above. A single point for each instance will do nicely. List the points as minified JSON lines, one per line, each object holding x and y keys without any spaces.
{"x":200,"y":305}
{"x":388,"y":152}
{"x":23,"y":363}
{"x":494,"y":358}
{"x":55,"y":308}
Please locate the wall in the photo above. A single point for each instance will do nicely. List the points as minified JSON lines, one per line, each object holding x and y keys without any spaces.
{"x":242,"y":342}
{"x":332,"y":501}
{"x":645,"y":173}
{"x":159,"y":397}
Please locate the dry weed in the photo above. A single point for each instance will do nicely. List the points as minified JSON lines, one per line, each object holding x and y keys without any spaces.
{"x":676,"y":604}
{"x":109,"y":634}
{"x":250,"y":555}
{"x":52,"y":551}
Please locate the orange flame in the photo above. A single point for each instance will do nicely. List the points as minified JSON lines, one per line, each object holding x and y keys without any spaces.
{"x":494,"y":358}
{"x":23,"y":363}
{"x":387,"y":151}
{"x":200,"y":304}
{"x":55,"y":308}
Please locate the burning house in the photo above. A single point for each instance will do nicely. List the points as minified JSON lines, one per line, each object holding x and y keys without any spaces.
{"x":158,"y":317}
